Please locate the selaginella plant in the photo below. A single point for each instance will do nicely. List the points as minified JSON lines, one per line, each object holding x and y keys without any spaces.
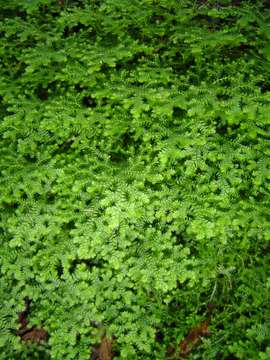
{"x":135,"y":177}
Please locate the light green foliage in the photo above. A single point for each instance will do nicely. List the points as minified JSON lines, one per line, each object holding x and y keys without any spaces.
{"x":135,"y":175}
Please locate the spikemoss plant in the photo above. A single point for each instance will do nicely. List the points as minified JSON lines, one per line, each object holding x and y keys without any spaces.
{"x":135,"y":176}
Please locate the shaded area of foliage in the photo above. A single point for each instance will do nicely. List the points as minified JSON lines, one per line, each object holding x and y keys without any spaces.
{"x":135,"y":177}
{"x":33,"y":334}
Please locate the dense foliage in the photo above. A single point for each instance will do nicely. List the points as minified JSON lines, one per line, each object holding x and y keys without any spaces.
{"x":135,"y":176}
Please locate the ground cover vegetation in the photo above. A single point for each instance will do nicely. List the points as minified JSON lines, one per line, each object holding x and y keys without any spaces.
{"x":135,"y":179}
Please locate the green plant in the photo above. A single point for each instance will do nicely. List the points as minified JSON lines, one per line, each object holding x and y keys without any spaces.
{"x":134,"y":176}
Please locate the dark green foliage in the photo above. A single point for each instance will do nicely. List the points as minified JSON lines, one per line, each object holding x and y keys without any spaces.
{"x":135,"y":175}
